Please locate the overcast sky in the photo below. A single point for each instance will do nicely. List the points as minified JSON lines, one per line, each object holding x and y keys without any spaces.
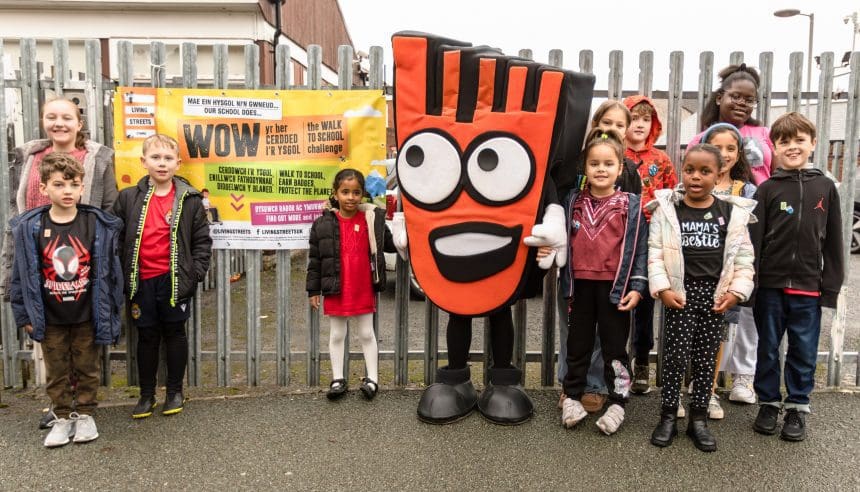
{"x":632,"y":26}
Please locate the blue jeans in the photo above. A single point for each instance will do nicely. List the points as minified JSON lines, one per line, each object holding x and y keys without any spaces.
{"x":594,"y":382}
{"x":800,"y":316}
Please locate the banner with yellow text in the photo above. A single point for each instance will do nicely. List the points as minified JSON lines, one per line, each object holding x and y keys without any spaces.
{"x":265,"y":160}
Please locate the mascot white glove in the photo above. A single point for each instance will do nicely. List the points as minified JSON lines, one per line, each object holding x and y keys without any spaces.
{"x":551,"y":232}
{"x":398,"y":234}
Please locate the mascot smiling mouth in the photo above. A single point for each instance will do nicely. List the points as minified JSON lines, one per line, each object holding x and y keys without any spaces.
{"x":473,"y":251}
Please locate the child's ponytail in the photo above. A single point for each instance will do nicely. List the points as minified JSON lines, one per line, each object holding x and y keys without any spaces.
{"x":604,"y":137}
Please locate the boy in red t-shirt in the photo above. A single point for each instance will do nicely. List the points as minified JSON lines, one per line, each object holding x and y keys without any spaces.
{"x":166,"y":249}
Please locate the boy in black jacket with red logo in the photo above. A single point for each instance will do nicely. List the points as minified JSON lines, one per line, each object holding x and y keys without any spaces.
{"x":166,"y":249}
{"x":799,"y":268}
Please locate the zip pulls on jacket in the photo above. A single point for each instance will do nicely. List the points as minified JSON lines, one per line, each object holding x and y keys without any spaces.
{"x":799,"y":222}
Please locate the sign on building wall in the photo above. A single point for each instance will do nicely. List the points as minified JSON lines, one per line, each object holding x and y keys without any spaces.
{"x":267,"y":158}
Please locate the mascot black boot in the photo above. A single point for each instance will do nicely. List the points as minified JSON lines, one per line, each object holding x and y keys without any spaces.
{"x":451,"y":398}
{"x":504,"y":401}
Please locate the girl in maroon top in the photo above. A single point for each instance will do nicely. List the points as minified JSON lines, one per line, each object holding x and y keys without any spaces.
{"x":343,"y":266}
{"x":604,"y":279}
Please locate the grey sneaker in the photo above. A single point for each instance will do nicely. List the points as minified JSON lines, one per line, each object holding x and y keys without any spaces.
{"x":61,"y":433}
{"x":48,"y":419}
{"x":85,"y":428}
{"x":641,"y":384}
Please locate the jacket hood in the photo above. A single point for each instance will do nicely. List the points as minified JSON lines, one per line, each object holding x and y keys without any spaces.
{"x":182,"y":185}
{"x":805,"y":173}
{"x":670,"y":198}
{"x":656,"y":125}
{"x":105,"y":218}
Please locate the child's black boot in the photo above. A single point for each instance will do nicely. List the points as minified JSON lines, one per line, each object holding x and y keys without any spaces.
{"x":451,"y":398}
{"x":667,"y":429}
{"x":698,"y":430}
{"x":504,"y":401}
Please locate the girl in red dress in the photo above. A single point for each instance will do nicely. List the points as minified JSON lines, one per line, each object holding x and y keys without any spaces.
{"x":344,"y":267}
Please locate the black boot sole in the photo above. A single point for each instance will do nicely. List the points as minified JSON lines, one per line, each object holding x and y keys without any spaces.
{"x":445,"y":421}
{"x":789,"y":438}
{"x":702,"y":447}
{"x":664,"y":444}
{"x":763,"y":430}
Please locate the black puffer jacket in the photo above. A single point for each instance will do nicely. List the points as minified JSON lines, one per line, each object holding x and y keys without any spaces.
{"x":324,"y":255}
{"x":190,"y":254}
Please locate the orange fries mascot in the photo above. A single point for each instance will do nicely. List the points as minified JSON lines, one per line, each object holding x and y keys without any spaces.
{"x":479,"y":134}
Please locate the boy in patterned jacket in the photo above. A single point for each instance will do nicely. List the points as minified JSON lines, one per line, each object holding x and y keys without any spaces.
{"x":657,"y":173}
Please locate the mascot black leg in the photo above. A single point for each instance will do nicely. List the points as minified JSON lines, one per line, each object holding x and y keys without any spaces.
{"x":504,"y":401}
{"x":452,"y":397}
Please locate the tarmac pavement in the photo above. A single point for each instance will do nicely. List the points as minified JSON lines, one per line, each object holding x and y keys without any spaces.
{"x":304,"y":442}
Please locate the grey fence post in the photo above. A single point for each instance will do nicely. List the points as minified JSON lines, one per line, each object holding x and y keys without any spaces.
{"x":431,"y":341}
{"x":314,"y":82}
{"x":550,"y":288}
{"x":706,"y":75}
{"x":616,"y":73}
{"x":94,"y":90}
{"x":795,"y":77}
{"x":284,"y":266}
{"x":736,"y":57}
{"x":344,"y":82}
{"x":30,"y":93}
{"x":223,"y":322}
{"x":7,"y":327}
{"x":253,"y":257}
{"x":847,"y":192}
{"x":646,"y":72}
{"x":125,"y":58}
{"x":61,"y":65}
{"x":822,"y":120}
{"x":195,"y":340}
{"x":765,"y":66}
{"x":586,"y":61}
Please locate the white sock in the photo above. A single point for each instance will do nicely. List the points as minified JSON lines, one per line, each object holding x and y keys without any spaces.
{"x":368,"y":345}
{"x":337,"y":337}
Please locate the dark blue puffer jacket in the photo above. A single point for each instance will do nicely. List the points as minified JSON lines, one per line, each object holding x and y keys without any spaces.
{"x":106,"y":284}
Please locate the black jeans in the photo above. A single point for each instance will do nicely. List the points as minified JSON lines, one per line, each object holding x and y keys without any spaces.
{"x":459,"y":337}
{"x":592,"y":309}
{"x":148,"y":345}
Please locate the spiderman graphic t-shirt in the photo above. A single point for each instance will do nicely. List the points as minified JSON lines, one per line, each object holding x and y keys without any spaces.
{"x":67,"y":269}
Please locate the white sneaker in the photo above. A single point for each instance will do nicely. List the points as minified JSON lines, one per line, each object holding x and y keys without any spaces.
{"x":715,"y":411}
{"x":611,"y":420}
{"x":61,"y":433}
{"x":572,"y":412}
{"x":85,"y":428}
{"x":742,"y":389}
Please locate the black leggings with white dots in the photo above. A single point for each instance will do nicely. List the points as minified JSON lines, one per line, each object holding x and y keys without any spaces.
{"x":692,"y":334}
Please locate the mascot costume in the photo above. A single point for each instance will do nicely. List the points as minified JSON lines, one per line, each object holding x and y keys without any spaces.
{"x":480,"y":136}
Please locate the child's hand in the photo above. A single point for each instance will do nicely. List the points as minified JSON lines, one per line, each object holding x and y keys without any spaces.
{"x":544,"y":251}
{"x":726,"y":302}
{"x":629,"y":301}
{"x":671,"y":299}
{"x":29,"y":329}
{"x":315,"y":302}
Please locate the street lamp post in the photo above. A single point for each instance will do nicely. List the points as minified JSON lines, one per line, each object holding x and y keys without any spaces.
{"x":792,"y":13}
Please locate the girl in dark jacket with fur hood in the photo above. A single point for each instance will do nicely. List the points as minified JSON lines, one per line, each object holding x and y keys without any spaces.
{"x":345,"y":266}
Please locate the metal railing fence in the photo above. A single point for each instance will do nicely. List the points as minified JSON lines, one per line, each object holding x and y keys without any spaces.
{"x":32,"y":83}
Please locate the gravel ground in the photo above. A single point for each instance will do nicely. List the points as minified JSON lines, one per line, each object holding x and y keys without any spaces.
{"x":304,"y":442}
